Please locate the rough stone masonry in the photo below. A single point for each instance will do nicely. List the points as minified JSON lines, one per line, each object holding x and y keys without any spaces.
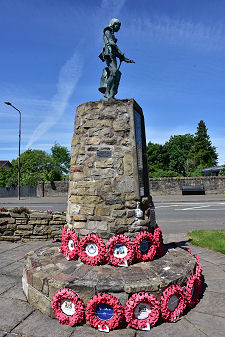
{"x":108,"y":166}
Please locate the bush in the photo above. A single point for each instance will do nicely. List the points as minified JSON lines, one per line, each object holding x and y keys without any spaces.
{"x":159,"y":173}
{"x":3,"y":209}
{"x":20,"y":210}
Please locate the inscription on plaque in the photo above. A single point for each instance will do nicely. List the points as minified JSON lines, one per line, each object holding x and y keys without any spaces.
{"x":104,"y":154}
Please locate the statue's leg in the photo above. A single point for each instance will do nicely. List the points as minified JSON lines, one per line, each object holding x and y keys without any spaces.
{"x":112,"y":66}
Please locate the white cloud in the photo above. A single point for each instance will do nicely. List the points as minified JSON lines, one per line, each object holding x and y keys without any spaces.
{"x":180,"y":31}
{"x":112,"y":7}
{"x":9,"y":148}
{"x":69,"y":76}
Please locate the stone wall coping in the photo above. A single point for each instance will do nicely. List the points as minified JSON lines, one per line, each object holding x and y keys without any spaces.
{"x":187,"y":178}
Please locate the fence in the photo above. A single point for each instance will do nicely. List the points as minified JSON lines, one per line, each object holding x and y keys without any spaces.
{"x":25,"y":191}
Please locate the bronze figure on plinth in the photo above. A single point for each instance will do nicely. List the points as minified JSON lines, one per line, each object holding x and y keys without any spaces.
{"x":111,"y":74}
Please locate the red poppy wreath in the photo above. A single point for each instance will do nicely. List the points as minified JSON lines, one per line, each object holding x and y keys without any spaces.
{"x":120,"y":250}
{"x":68,"y":307}
{"x":104,"y":312}
{"x":159,"y":241}
{"x":92,"y":250}
{"x":145,"y":246}
{"x":193,"y":289}
{"x":70,"y":244}
{"x":142,"y":311}
{"x":62,"y":247}
{"x":198,"y":269}
{"x":173,"y":303}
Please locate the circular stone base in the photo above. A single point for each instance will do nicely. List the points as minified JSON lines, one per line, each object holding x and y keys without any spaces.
{"x":46,"y":271}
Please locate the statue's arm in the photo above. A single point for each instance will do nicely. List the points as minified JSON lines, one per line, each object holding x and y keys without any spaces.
{"x":111,"y":42}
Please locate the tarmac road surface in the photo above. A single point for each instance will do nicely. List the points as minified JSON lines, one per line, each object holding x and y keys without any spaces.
{"x":174,"y":213}
{"x":183,"y":217}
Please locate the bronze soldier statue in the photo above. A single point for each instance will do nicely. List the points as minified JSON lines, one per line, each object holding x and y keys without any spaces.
{"x":111,"y":75}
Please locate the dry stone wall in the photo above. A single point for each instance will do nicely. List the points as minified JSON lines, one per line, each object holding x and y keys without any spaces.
{"x":173,"y":186}
{"x":158,"y":186}
{"x":28,"y":227}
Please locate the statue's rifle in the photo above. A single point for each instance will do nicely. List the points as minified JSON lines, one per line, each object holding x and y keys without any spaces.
{"x":120,"y":64}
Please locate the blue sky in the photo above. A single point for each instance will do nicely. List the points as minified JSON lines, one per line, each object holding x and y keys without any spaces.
{"x":49,"y":65}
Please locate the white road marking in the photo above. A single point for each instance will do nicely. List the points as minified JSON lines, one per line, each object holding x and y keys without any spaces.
{"x":200,"y":209}
{"x":179,"y":204}
{"x":192,"y":208}
{"x":195,"y":206}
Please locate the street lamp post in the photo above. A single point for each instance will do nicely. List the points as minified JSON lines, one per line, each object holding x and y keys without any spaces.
{"x":8,"y":103}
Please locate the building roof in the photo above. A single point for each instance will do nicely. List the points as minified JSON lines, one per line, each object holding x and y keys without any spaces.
{"x":4,"y":163}
{"x":209,"y":170}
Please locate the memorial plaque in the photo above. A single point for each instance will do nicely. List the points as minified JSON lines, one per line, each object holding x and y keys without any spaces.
{"x":141,"y":155}
{"x":104,"y":154}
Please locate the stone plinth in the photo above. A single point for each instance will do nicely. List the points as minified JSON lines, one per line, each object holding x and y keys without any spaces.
{"x":47,"y":271}
{"x":108,"y":173}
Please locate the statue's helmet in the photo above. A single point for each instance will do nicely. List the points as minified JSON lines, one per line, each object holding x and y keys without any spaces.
{"x":113,"y":21}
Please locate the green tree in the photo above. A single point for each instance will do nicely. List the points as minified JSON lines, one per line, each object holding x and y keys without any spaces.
{"x":222,"y":171}
{"x":155,"y":156}
{"x":177,"y":149}
{"x":35,"y":165}
{"x":8,"y":178}
{"x":202,"y":154}
{"x":169,"y":160}
{"x":60,"y":158}
{"x":3,"y":177}
{"x":157,"y":160}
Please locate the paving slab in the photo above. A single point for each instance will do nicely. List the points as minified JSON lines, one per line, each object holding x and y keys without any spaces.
{"x":5,"y":246}
{"x":212,"y":326}
{"x":6,"y":283}
{"x":5,"y":261}
{"x":215,"y":285}
{"x":15,"y":293}
{"x":181,"y":328}
{"x":211,"y":303}
{"x":14,"y":269}
{"x":18,"y":253}
{"x":213,"y":257}
{"x":213,"y":272}
{"x":38,"y":325}
{"x":87,"y":331}
{"x":5,"y":334}
{"x":194,"y":249}
{"x":12,"y":312}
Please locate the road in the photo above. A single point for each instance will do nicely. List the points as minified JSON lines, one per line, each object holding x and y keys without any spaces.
{"x":173,"y":216}
{"x":56,"y":204}
{"x":183,"y":217}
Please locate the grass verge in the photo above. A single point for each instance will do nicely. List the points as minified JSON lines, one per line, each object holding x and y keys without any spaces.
{"x":212,"y":239}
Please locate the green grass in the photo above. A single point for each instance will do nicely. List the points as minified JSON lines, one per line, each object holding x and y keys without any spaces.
{"x":212,"y":239}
